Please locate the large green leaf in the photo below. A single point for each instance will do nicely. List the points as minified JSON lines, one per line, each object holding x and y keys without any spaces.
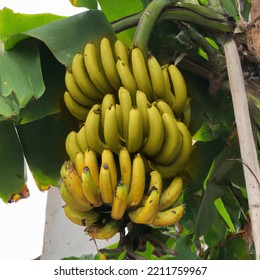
{"x":68,"y":36}
{"x":20,"y":73}
{"x":114,"y":11}
{"x":11,"y":23}
{"x":207,"y":212}
{"x":12,"y":170}
{"x":43,"y":144}
{"x":49,"y":103}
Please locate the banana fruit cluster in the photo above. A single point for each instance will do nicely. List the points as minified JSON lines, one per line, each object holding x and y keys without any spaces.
{"x":105,"y":67}
{"x":132,"y":143}
{"x":101,"y":192}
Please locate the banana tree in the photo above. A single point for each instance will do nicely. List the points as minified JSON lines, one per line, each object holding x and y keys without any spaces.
{"x":214,"y":45}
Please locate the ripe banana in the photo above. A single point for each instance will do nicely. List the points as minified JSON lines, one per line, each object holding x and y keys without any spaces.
{"x":127,"y":79}
{"x":125,"y":105}
{"x":158,"y":81}
{"x":119,"y":120}
{"x":79,"y":163}
{"x":104,"y":231}
{"x":82,"y":78}
{"x":76,"y":92}
{"x":168,"y":86}
{"x":108,"y":158}
{"x":73,"y":183}
{"x":170,"y":195}
{"x":90,"y":189}
{"x":155,"y":137}
{"x":137,"y":186}
{"x":91,"y":161}
{"x":169,"y":217}
{"x":122,"y":53}
{"x":108,"y":100}
{"x":93,"y":129}
{"x":119,"y":203}
{"x":109,"y":63}
{"x":105,"y":184}
{"x":95,"y":69}
{"x":168,"y":171}
{"x":143,"y":104}
{"x":140,"y":72}
{"x":71,"y":145}
{"x":78,"y":111}
{"x":135,"y":138}
{"x":82,"y":140}
{"x":82,"y":218}
{"x":145,"y":214}
{"x":111,"y":131}
{"x":180,"y":89}
{"x":71,"y":201}
{"x":163,"y":107}
{"x":172,"y":141}
{"x":125,"y":165}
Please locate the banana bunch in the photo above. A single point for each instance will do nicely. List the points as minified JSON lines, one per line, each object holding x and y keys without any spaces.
{"x":132,"y":142}
{"x":103,"y":68}
{"x":103,"y":192}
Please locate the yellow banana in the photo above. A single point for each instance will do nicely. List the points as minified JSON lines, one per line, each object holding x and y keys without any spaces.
{"x":168,"y":86}
{"x":82,"y":218}
{"x":108,"y":158}
{"x":90,"y":189}
{"x":78,"y":111}
{"x":172,"y":141}
{"x":95,"y":69}
{"x":127,"y":79}
{"x":121,"y":52}
{"x":137,"y":186}
{"x":91,"y":161}
{"x":135,"y":138}
{"x":109,"y":63}
{"x":76,"y":92}
{"x":82,"y":78}
{"x":105,"y":184}
{"x":71,"y":201}
{"x":73,"y":183}
{"x":119,"y":203}
{"x":180,"y":89}
{"x":119,"y":120}
{"x":82,"y":140}
{"x":108,"y":100}
{"x":125,"y":105}
{"x":142,"y":104}
{"x":163,"y":107}
{"x":79,"y":163}
{"x":145,"y":214}
{"x":168,"y":171}
{"x":111,"y":131}
{"x":125,"y":165}
{"x":170,"y":195}
{"x":71,"y":145}
{"x":104,"y":231}
{"x":155,"y":137}
{"x":140,"y":72}
{"x":169,"y":217}
{"x":93,"y":129}
{"x":158,"y":81}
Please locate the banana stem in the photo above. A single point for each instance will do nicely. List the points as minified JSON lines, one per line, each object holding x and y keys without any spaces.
{"x":147,"y":21}
{"x":246,"y":140}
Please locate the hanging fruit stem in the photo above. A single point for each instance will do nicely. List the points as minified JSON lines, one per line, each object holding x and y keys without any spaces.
{"x":147,"y":22}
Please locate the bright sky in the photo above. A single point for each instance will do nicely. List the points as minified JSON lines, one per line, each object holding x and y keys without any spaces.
{"x":22,"y":223}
